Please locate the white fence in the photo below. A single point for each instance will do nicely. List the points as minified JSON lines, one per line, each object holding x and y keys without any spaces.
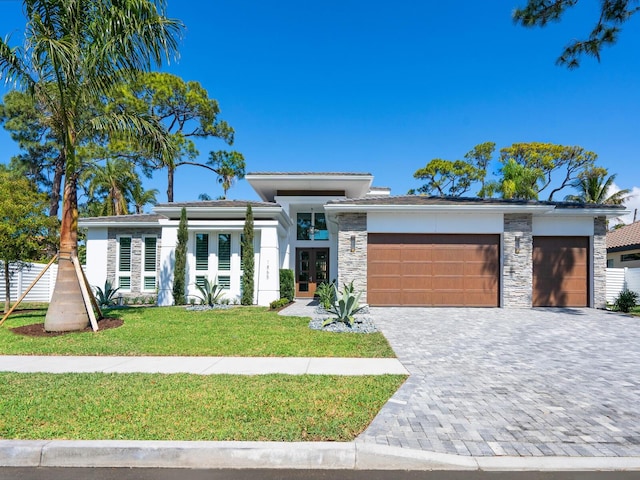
{"x":620,"y":278}
{"x":20,"y":281}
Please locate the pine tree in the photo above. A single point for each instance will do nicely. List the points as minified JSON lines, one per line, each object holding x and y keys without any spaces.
{"x":180,"y":266}
{"x":247,"y":259}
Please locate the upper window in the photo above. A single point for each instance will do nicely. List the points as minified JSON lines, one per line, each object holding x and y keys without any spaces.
{"x":629,"y":257}
{"x":202,"y":251}
{"x":224,"y":251}
{"x":124,"y":263}
{"x":312,"y":226}
{"x":149,"y":266}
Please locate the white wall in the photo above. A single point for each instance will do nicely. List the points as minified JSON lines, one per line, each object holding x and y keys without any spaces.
{"x":97,"y":246}
{"x":167,"y":256}
{"x":621,"y":278}
{"x":267,"y":271}
{"x":386,"y":222}
{"x":563,"y":226}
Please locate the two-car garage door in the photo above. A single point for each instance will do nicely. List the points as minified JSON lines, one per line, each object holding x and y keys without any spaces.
{"x":433,"y":270}
{"x":464,"y":270}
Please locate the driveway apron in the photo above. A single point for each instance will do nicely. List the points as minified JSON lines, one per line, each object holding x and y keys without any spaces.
{"x":527,"y":382}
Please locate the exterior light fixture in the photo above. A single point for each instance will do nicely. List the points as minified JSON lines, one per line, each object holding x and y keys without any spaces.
{"x":517,"y":243}
{"x":353,"y":243}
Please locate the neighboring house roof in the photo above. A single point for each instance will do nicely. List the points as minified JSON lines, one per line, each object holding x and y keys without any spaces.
{"x":624,"y":238}
{"x":423,"y":202}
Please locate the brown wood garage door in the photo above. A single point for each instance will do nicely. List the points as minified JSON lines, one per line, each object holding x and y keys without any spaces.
{"x":560,"y":271}
{"x":433,"y":270}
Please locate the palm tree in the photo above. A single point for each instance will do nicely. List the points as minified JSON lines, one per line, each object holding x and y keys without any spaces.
{"x":84,"y":48}
{"x":228,"y":166}
{"x":594,"y":186}
{"x":112,"y":182}
{"x":142,"y":197}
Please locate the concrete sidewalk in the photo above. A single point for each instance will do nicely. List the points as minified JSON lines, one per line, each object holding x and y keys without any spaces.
{"x":202,"y":365}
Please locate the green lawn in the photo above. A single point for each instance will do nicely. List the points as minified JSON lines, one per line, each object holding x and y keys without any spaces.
{"x":190,"y":407}
{"x":240,"y":331}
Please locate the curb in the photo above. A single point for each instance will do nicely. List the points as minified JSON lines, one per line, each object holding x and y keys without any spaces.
{"x":278,"y":455}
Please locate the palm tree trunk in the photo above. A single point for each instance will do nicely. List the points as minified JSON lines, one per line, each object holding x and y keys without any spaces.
{"x":67,"y":311}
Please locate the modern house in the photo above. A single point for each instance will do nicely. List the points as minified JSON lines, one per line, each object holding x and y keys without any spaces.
{"x":623,"y":246}
{"x":398,"y":250}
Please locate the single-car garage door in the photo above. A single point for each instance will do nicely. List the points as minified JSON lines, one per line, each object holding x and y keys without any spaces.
{"x":560,"y":271}
{"x":433,"y":270}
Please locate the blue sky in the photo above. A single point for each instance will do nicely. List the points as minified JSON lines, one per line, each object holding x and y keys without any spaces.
{"x":383,"y":87}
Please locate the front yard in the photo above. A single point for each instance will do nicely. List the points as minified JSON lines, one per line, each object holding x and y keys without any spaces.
{"x":174,"y":331}
{"x":191,"y":407}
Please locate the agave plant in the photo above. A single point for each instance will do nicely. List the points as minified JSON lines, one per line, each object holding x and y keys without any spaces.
{"x":105,"y":297}
{"x":345,"y":306}
{"x":211,"y":292}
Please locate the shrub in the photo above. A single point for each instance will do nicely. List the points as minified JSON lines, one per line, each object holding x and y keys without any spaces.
{"x":326,"y":294}
{"x":211,"y":292}
{"x":287,"y":284}
{"x":105,"y":297}
{"x":625,"y":301}
{"x":345,"y":307}
{"x":279,"y":303}
{"x":247,"y":259}
{"x":180,"y":265}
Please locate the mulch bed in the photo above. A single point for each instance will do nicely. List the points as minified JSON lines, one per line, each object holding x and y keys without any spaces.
{"x":37,"y":329}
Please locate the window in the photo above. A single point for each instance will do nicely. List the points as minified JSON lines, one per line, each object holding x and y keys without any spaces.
{"x":629,"y":257}
{"x":224,"y":281}
{"x":124,"y":263}
{"x":224,"y":251}
{"x":610,"y":263}
{"x":312,"y":226}
{"x":202,"y":251}
{"x":149,"y":263}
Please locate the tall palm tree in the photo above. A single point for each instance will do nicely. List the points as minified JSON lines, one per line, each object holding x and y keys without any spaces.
{"x":141,"y":197}
{"x":84,"y":48}
{"x":113,"y":182}
{"x":228,"y":166}
{"x":594,"y":186}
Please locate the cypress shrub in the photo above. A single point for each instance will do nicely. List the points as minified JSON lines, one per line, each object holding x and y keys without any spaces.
{"x":180,"y":265}
{"x":247,"y":259}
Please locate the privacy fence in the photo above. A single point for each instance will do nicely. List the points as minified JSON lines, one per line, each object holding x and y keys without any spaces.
{"x":21,"y":280}
{"x":620,"y":278}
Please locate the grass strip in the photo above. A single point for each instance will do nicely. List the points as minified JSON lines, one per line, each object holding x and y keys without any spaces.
{"x":190,"y":407}
{"x":240,"y":331}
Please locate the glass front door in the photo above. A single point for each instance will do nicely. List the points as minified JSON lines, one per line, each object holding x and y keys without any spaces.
{"x":312,"y":268}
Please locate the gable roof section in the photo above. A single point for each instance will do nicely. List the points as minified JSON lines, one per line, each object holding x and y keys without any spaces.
{"x":624,"y":238}
{"x":426,"y":203}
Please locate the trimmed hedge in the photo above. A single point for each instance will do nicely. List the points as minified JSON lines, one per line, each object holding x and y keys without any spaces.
{"x":287,"y":284}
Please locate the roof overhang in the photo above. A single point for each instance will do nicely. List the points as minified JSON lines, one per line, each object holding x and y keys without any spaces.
{"x":274,"y":212}
{"x":268,"y":185}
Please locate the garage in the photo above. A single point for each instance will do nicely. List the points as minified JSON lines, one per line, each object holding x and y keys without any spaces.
{"x":439,"y":270}
{"x":560,"y":271}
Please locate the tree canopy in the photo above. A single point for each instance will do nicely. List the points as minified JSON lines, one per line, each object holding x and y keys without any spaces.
{"x":613,"y":15}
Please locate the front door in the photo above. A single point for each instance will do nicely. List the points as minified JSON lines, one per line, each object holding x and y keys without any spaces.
{"x":312,"y":268}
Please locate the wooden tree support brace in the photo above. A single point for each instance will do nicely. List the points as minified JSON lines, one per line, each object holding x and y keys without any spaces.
{"x":26,"y":292}
{"x":86,"y":295}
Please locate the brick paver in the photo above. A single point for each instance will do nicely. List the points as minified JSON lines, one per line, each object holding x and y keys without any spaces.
{"x":527,"y":382}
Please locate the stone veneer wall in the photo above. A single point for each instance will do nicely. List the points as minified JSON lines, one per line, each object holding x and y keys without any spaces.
{"x":136,"y":235}
{"x":352,"y":266}
{"x":599,"y":262}
{"x":517,"y":273}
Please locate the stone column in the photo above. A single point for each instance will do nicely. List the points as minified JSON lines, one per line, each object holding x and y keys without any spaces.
{"x":599,"y":262}
{"x":352,"y":262}
{"x":517,"y":270}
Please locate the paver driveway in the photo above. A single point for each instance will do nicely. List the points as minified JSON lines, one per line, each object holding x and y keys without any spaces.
{"x":513,"y":382}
